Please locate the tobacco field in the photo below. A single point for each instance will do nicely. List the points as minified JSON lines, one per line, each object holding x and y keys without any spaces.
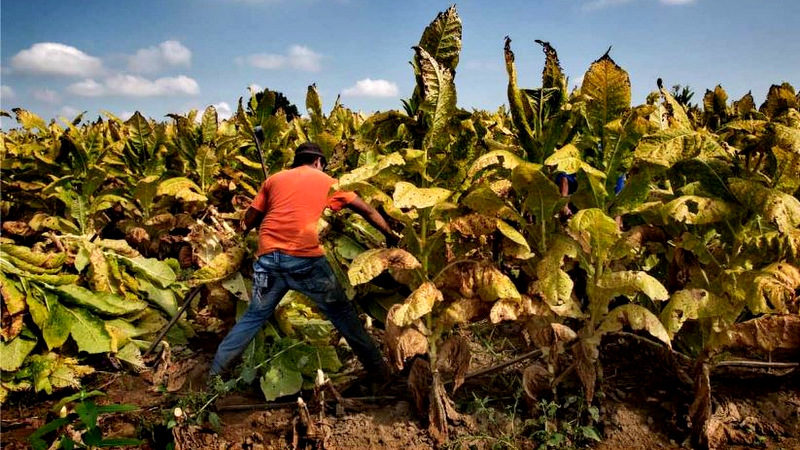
{"x":668,"y":276}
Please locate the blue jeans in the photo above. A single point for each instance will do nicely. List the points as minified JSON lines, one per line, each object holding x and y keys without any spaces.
{"x":275,"y":274}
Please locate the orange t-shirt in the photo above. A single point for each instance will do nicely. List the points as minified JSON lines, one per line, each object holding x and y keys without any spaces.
{"x":294,"y":200}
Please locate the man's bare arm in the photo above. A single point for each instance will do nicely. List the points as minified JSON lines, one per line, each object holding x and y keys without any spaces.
{"x":374,"y":218}
{"x":252,"y":218}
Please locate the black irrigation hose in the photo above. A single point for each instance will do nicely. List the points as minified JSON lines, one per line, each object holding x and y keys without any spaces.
{"x":187,"y":300}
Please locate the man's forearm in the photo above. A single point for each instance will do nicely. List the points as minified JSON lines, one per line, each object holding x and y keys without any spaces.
{"x":252,"y":218}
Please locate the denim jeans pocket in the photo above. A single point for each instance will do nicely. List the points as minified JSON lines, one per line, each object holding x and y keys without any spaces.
{"x":261,"y":286}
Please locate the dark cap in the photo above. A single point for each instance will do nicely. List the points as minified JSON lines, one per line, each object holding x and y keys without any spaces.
{"x":307,"y":149}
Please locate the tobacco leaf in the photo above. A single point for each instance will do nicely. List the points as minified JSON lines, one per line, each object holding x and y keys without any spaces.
{"x":371,"y":263}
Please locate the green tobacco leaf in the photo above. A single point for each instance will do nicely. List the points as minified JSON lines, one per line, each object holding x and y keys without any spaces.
{"x":595,"y":232}
{"x":503,"y":158}
{"x":406,"y":195}
{"x":207,"y":166}
{"x":279,"y":381}
{"x":777,"y":207}
{"x":208,"y":125}
{"x":608,"y":87}
{"x":675,"y":113}
{"x":100,"y":302}
{"x":42,"y":260}
{"x":773,"y":289}
{"x":696,"y":210}
{"x":514,"y":235}
{"x":553,"y":283}
{"x":52,"y":279}
{"x":542,"y":196}
{"x":13,"y":298}
{"x":221,"y":266}
{"x":591,"y":191}
{"x":438,"y":95}
{"x":491,"y":284}
{"x":159,"y":272}
{"x":163,"y":298}
{"x":552,"y":75}
{"x":518,"y":111}
{"x":29,"y":120}
{"x":372,"y":263}
{"x":181,"y":188}
{"x":140,"y":132}
{"x":485,"y":201}
{"x":418,"y":304}
{"x":636,"y":317}
{"x":442,"y":38}
{"x":694,"y":304}
{"x":365,"y":172}
{"x":298,"y":317}
{"x":52,"y":319}
{"x":52,"y":371}
{"x":629,"y":283}
{"x":779,"y":99}
{"x":14,"y":352}
{"x":88,"y":331}
{"x":670,"y":146}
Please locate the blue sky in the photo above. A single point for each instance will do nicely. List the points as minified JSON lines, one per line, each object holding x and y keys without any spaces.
{"x":62,"y":57}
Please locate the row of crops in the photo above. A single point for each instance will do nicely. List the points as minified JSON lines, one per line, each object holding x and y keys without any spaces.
{"x":682,"y":225}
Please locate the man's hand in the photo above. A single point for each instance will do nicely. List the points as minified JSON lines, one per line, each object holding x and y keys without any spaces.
{"x":252,"y":218}
{"x":375,"y":219}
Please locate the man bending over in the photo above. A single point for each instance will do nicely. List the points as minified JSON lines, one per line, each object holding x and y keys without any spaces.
{"x":288,"y":207}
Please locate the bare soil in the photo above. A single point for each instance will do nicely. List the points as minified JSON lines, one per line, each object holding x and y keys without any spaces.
{"x":643,"y":405}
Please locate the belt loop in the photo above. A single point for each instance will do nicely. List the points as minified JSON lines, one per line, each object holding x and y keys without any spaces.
{"x":275,"y":257}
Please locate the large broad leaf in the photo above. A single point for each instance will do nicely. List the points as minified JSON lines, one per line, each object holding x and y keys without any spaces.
{"x":159,"y":272}
{"x":208,"y":125}
{"x":779,"y":99}
{"x":552,"y":75}
{"x":553,"y":283}
{"x":438,"y":95}
{"x":53,"y":320}
{"x":517,"y":105}
{"x":406,"y":195}
{"x":673,"y":112}
{"x":371,"y":263}
{"x":442,"y":38}
{"x":491,"y":284}
{"x":161,"y":297}
{"x":504,"y":158}
{"x":608,"y":88}
{"x":14,"y":352}
{"x":630,"y":282}
{"x":636,"y":317}
{"x":787,"y":156}
{"x":181,"y":188}
{"x":207,"y":166}
{"x":595,"y":232}
{"x":696,"y":210}
{"x":367,"y":171}
{"x":42,"y":260}
{"x":13,"y":298}
{"x":417,"y":305}
{"x":29,"y":120}
{"x":403,"y":342}
{"x":101,"y":302}
{"x":766,"y":333}
{"x":140,"y":132}
{"x":542,"y":196}
{"x":773,"y":289}
{"x":52,"y":371}
{"x":777,"y":207}
{"x":693,"y":304}
{"x":221,"y":266}
{"x":591,"y":191}
{"x":485,"y":201}
{"x":54,"y":279}
{"x":88,"y":331}
{"x":670,"y":146}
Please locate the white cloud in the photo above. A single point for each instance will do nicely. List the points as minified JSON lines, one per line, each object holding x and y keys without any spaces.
{"x":303,"y":58}
{"x":135,"y":86}
{"x":224,"y":110}
{"x":46,"y":96}
{"x":297,"y":57}
{"x":372,"y":88}
{"x":125,"y":115}
{"x":87,"y":88}
{"x":6,"y":93}
{"x":69,"y":112}
{"x":51,"y":58}
{"x":156,"y":58}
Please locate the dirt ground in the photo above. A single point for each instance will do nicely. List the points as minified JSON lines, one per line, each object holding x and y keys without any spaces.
{"x":643,"y":405}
